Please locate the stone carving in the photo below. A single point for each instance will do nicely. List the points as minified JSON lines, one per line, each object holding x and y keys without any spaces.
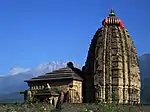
{"x":77,"y":97}
{"x":112,"y":61}
{"x":98,"y":92}
{"x":48,"y":86}
{"x":66,"y":97}
{"x":29,"y":96}
{"x":60,"y":100}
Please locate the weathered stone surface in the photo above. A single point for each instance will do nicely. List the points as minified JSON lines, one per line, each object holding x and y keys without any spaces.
{"x":60,"y":100}
{"x":112,"y":62}
{"x":29,"y":96}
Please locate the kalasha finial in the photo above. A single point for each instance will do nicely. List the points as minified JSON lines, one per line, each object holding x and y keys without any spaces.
{"x":112,"y":13}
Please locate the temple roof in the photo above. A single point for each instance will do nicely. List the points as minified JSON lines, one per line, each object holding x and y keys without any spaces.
{"x":112,"y":20}
{"x":62,"y":73}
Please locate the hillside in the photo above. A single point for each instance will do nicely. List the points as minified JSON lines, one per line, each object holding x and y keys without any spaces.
{"x":144,"y":62}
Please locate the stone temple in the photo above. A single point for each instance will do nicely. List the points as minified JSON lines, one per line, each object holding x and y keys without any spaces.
{"x":111,"y":71}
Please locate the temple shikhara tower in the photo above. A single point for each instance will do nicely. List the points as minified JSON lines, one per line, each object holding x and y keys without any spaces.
{"x":111,"y":71}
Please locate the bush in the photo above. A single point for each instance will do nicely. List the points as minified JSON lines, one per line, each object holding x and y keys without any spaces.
{"x":26,"y":107}
{"x":93,"y":107}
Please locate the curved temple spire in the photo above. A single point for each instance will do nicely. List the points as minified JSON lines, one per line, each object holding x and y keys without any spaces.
{"x":112,"y":63}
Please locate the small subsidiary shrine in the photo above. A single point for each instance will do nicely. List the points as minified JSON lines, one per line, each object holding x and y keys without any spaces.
{"x":66,"y":79}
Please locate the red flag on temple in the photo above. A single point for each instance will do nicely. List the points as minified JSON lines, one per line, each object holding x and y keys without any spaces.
{"x":121,"y":24}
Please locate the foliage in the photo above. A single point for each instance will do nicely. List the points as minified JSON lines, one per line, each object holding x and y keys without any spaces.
{"x":109,"y":107}
{"x":26,"y":108}
{"x":93,"y":107}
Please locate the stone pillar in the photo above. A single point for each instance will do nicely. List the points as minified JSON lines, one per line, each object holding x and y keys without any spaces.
{"x":104,"y":62}
{"x":50,"y":100}
{"x":98,"y":92}
{"x":55,"y":101}
{"x":138,"y":96}
{"x":130,"y":95}
{"x":120,"y":91}
{"x":70,"y":96}
{"x":126,"y":96}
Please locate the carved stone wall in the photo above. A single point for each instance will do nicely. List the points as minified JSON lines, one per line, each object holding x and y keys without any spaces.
{"x":74,"y":88}
{"x":112,"y":62}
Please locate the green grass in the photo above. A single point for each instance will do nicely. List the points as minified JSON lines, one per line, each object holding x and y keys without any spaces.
{"x":97,"y":107}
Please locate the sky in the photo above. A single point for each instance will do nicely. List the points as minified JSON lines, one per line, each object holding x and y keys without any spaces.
{"x":39,"y":31}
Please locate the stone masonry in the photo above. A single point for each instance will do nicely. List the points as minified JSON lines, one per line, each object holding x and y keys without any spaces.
{"x":111,"y":71}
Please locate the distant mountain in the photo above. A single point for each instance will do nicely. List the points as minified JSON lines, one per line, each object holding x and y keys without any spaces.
{"x":144,"y":62}
{"x":50,"y":66}
{"x":17,"y":70}
{"x":13,"y":82}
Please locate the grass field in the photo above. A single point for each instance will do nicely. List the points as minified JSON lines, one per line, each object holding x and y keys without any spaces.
{"x":73,"y":108}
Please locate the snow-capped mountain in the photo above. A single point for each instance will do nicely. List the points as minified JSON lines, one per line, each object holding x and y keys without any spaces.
{"x":16,"y":70}
{"x":50,"y":66}
{"x":13,"y":81}
{"x":40,"y":69}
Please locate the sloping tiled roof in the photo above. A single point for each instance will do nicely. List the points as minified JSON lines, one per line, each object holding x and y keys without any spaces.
{"x":62,"y":73}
